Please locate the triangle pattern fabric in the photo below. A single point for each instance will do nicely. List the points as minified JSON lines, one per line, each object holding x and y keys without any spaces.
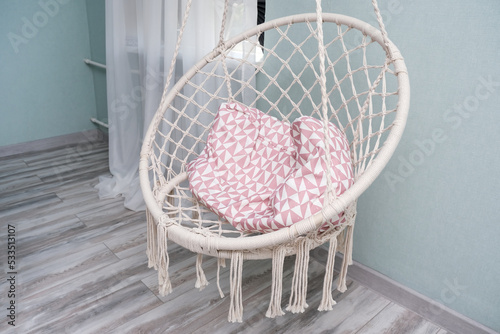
{"x":262,"y":174}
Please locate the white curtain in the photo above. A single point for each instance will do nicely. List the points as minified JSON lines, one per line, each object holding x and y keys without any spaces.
{"x":140,"y":41}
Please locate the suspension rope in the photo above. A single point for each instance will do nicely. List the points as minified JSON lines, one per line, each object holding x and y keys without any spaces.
{"x":223,"y":50}
{"x":324,"y":103}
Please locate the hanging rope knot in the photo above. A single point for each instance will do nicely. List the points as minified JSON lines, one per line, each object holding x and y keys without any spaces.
{"x":333,"y":208}
{"x":203,"y":231}
{"x":389,"y":51}
{"x":220,"y":48}
{"x":350,"y":212}
{"x":397,"y":57}
{"x":165,"y":220}
{"x":201,"y":280}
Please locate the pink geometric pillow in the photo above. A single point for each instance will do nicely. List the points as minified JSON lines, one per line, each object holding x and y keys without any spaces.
{"x":262,"y":174}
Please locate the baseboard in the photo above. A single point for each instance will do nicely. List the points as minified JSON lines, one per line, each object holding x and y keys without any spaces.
{"x":429,"y":309}
{"x":89,"y":136}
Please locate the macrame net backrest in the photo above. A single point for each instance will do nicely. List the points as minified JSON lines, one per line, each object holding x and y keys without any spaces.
{"x":329,"y":66}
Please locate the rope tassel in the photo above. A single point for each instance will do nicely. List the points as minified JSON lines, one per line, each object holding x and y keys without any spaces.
{"x":327,"y":301}
{"x":151,"y":247}
{"x":274,"y":309}
{"x":201,"y":280}
{"x":221,"y":262}
{"x":297,"y":302}
{"x":347,"y":259}
{"x":236,"y":305}
{"x":164,"y":285}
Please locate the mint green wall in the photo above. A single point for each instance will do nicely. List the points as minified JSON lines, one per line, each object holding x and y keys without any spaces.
{"x":97,"y":32}
{"x":431,"y":220}
{"x":46,"y":89}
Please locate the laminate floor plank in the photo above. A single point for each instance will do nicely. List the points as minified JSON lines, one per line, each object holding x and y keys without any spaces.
{"x":12,"y":185}
{"x":31,"y":217}
{"x":36,"y":206}
{"x":10,"y":166}
{"x":443,"y":331}
{"x":82,"y":266}
{"x":18,"y":194}
{"x":109,"y":209}
{"x":44,"y":270}
{"x":68,"y":155}
{"x":79,"y":234}
{"x":37,"y":187}
{"x":80,"y":172}
{"x":33,"y":234}
{"x":395,"y":319}
{"x":18,"y":178}
{"x":130,"y":243}
{"x":106,"y":313}
{"x":32,"y":204}
{"x":64,"y":299}
{"x":75,"y":189}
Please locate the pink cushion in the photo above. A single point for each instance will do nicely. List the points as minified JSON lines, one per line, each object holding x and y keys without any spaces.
{"x":262,"y":174}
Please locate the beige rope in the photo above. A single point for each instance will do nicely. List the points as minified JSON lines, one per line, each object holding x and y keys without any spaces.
{"x":275,"y":309}
{"x":235,"y":278}
{"x":177,"y":48}
{"x":382,"y":27}
{"x":221,"y":262}
{"x":201,"y":280}
{"x":221,"y":48}
{"x":327,"y":301}
{"x":324,"y":105}
{"x":347,"y":260}
{"x":297,"y":302}
{"x":163,"y":102}
{"x":164,"y":285}
{"x":151,"y":248}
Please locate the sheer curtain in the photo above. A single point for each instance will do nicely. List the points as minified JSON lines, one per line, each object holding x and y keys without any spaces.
{"x":140,"y":39}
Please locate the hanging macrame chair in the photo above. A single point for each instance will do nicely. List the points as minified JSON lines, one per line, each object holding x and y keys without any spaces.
{"x":332,"y":67}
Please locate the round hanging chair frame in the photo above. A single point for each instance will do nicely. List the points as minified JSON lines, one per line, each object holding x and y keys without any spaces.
{"x":261,"y":245}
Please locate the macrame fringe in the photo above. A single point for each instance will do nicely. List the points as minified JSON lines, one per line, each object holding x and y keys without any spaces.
{"x":151,"y":248}
{"x":274,"y":309}
{"x":327,"y":301}
{"x":235,"y":276}
{"x":297,"y":302}
{"x":201,"y":280}
{"x":341,"y":241}
{"x":164,"y":285}
{"x":221,"y":262}
{"x":342,"y":286}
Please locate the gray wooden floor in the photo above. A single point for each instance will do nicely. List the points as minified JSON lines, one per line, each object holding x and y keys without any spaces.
{"x":81,"y":266}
